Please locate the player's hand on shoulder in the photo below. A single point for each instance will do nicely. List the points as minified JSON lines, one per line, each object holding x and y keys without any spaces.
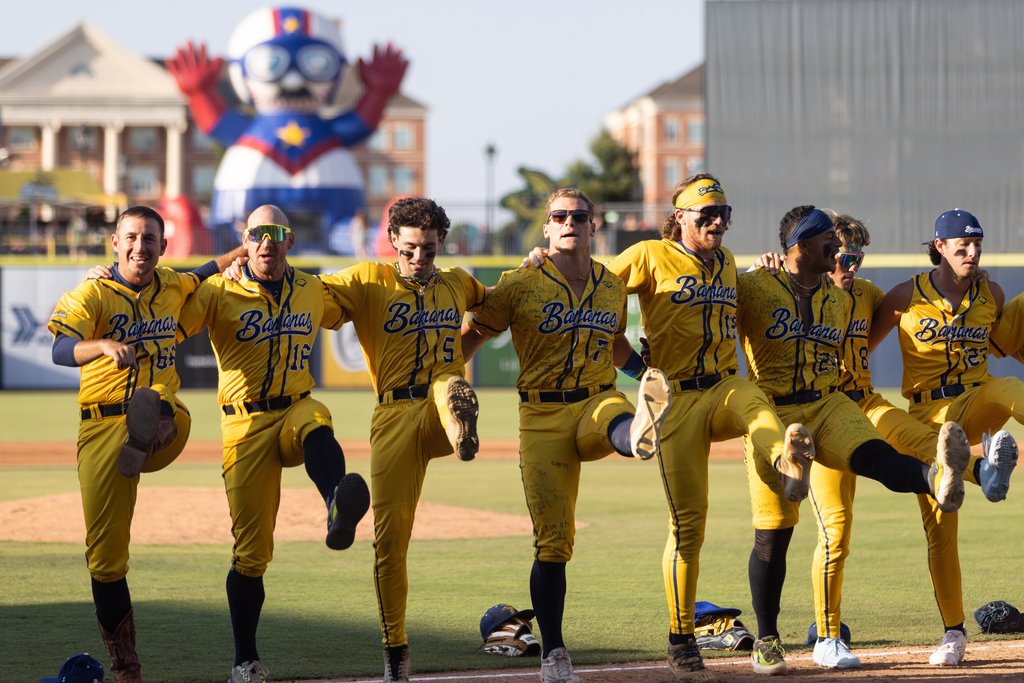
{"x":100,"y":273}
{"x":234,"y":270}
{"x":770,"y":262}
{"x":122,"y":354}
{"x":645,"y":351}
{"x":535,"y":259}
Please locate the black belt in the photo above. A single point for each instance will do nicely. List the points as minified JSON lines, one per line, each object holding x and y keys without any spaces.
{"x":113,"y":409}
{"x":802,"y":397}
{"x":948,"y":391}
{"x":571,"y":396}
{"x":857,"y":394}
{"x":702,"y":383}
{"x":263,"y":406}
{"x":415,"y":391}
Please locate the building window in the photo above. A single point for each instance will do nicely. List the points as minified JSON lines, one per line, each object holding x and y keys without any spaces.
{"x":378,"y":142}
{"x":142,"y":139}
{"x":82,"y":139}
{"x":404,"y":178}
{"x":694,"y":165}
{"x":671,"y":172}
{"x":695,"y":133}
{"x":671,"y":131}
{"x":21,"y":137}
{"x":403,"y":136}
{"x":143,"y":181}
{"x":202,"y":180}
{"x":202,"y":141}
{"x":378,"y":180}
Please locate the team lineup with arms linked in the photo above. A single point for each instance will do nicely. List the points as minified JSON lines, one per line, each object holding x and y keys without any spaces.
{"x":809,"y":417}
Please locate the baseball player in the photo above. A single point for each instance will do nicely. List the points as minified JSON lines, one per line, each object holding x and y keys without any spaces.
{"x":121,"y":332}
{"x":262,"y":328}
{"x":945,"y":317}
{"x":832,"y":491}
{"x":686,"y":283}
{"x":408,"y":317}
{"x":564,"y":317}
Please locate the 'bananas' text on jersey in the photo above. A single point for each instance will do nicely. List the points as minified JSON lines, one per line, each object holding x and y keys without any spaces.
{"x":259,"y":329}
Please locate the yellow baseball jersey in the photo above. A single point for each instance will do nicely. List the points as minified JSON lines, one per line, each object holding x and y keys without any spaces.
{"x":1008,"y":333}
{"x":263,"y":345}
{"x":942,"y":344}
{"x":147,"y":320}
{"x":687,"y":309}
{"x":865,"y":297}
{"x":563,"y":341}
{"x":409,"y":333}
{"x":786,"y":354}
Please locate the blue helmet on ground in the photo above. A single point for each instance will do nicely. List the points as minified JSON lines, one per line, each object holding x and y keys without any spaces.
{"x":812,"y":634}
{"x":80,"y":668}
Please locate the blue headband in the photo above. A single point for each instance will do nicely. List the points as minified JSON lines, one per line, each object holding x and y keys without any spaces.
{"x":814,"y":223}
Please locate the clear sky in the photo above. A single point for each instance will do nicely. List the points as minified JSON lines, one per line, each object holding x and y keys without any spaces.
{"x":535,"y":77}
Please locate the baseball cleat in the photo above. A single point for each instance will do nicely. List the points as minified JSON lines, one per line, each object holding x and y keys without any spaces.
{"x":351,"y":501}
{"x":142,"y":418}
{"x":997,"y":465}
{"x":946,"y":476}
{"x":557,"y":668}
{"x":249,"y":672}
{"x":951,"y":650}
{"x":686,"y":663}
{"x":768,"y":657}
{"x":652,"y":406}
{"x":397,"y":664}
{"x":794,"y":465}
{"x":464,"y":407}
{"x":832,"y":653}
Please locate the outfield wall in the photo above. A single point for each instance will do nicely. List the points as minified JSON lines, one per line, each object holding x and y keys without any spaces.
{"x":28,"y":295}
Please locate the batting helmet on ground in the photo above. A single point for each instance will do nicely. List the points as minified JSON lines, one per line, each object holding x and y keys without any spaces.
{"x":812,"y":633}
{"x":80,"y":668}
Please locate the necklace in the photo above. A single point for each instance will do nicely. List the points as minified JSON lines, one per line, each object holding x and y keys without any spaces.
{"x":800,"y":288}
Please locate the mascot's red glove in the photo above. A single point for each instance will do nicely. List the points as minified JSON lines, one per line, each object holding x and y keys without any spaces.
{"x":197,"y":77}
{"x":382,"y":78}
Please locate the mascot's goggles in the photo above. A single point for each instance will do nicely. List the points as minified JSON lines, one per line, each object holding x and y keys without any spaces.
{"x":276,"y":233}
{"x":848,"y":259}
{"x":561,"y":216}
{"x":269,"y":62}
{"x":709,"y":213}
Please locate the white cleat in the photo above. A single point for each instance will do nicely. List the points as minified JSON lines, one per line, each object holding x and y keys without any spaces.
{"x":794,"y":466}
{"x":652,"y":406}
{"x":557,"y":668}
{"x":946,"y":476}
{"x":997,"y":466}
{"x":832,"y":653}
{"x":951,"y":650}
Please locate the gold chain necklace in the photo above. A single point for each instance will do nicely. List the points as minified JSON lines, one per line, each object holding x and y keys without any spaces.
{"x":800,"y":288}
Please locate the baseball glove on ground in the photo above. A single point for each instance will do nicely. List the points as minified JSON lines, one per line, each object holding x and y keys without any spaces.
{"x":999,"y":617}
{"x":506,"y":631}
{"x":717,"y":628}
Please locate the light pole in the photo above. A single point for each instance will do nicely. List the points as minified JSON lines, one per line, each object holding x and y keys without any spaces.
{"x":490,"y":151}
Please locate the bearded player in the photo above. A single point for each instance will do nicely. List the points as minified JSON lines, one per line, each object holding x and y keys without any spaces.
{"x":792,"y":326}
{"x":564,"y":317}
{"x":408,"y":317}
{"x":262,"y":328}
{"x":121,"y":331}
{"x":945,"y":319}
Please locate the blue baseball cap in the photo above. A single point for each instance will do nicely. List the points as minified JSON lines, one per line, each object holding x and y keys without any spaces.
{"x":702,"y":608}
{"x":499,"y":614}
{"x":956,"y":224}
{"x":80,"y":668}
{"x":812,"y":634}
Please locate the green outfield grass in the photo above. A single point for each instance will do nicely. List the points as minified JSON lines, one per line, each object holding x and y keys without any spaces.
{"x":319,"y":619}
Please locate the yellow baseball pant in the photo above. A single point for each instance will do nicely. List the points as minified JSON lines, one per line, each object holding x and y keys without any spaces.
{"x":108,"y":499}
{"x":404,"y":435}
{"x":731,"y":408}
{"x":256,"y":447}
{"x":554,"y":438}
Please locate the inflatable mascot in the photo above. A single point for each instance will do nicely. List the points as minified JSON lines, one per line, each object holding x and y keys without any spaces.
{"x":287,"y":64}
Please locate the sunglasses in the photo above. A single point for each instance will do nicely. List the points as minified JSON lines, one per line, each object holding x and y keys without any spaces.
{"x":276,"y":233}
{"x":578,"y":216}
{"x":710,"y":213}
{"x":848,"y":259}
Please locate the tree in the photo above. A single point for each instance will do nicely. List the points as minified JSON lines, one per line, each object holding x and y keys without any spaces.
{"x":615,"y":179}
